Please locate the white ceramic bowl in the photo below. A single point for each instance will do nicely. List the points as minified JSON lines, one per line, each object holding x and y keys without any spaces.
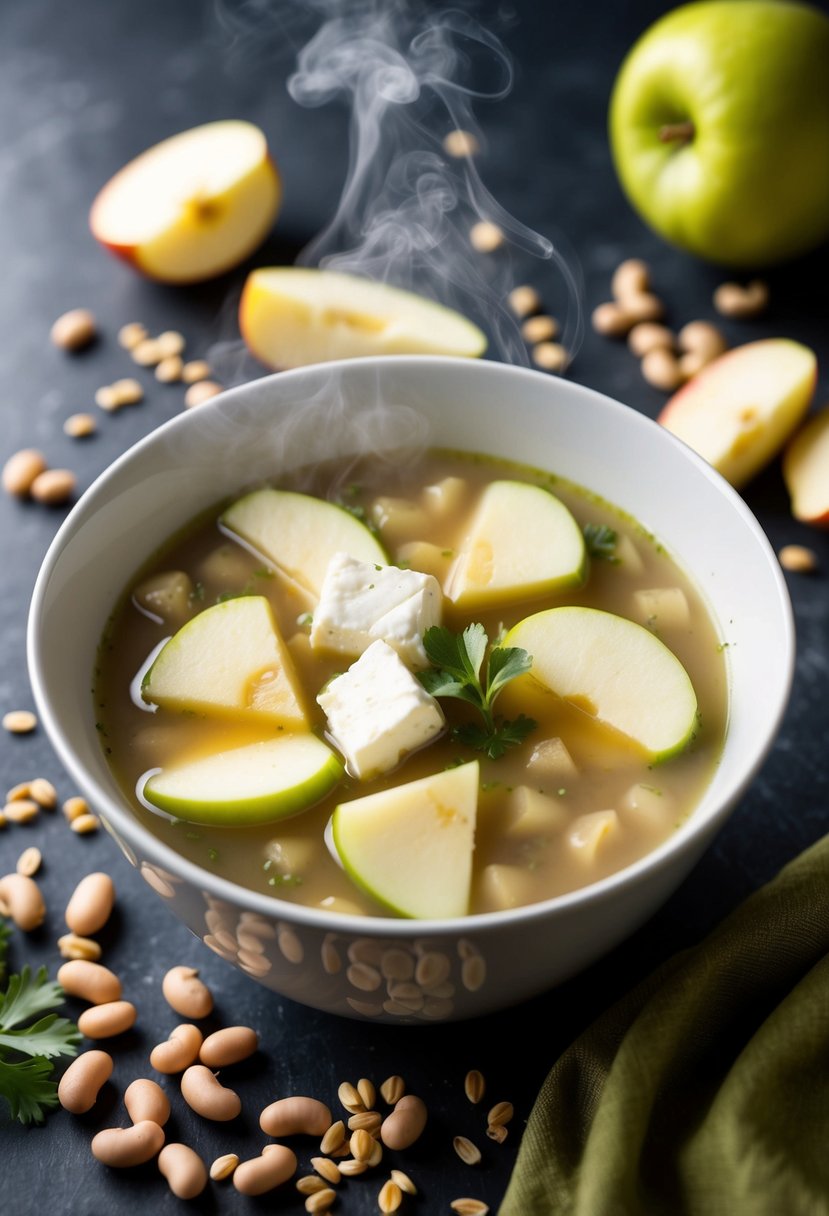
{"x":255,"y":431}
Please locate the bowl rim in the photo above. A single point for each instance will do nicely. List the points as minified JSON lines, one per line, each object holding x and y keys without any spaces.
{"x":153,"y":849}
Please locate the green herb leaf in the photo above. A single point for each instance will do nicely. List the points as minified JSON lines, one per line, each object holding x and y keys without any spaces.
{"x":28,"y":1088}
{"x":5,"y":934}
{"x":505,"y":663}
{"x":50,"y":1037}
{"x":26,"y":1084}
{"x":26,"y":997}
{"x":600,"y":540}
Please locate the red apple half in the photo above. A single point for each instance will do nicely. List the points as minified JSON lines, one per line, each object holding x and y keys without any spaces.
{"x":740,"y":410}
{"x":806,"y":470}
{"x":193,"y":206}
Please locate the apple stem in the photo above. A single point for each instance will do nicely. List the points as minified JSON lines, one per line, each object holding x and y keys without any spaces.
{"x":682,"y":131}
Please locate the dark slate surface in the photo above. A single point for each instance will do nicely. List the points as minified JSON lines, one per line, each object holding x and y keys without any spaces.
{"x":84,"y":87}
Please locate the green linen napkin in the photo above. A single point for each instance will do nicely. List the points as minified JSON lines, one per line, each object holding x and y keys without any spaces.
{"x":705,"y":1090}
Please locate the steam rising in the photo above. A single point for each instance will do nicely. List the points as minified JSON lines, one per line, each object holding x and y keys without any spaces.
{"x":406,"y":208}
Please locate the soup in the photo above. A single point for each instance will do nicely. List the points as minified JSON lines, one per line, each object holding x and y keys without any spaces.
{"x":586,"y":736}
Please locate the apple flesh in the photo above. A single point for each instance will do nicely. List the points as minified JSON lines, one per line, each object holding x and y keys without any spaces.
{"x":258,"y":783}
{"x":410,"y":847}
{"x":290,"y":317}
{"x":300,"y":534}
{"x":739,"y":410}
{"x":522,"y":542}
{"x":193,"y":206}
{"x":615,"y":670}
{"x":719,"y":127}
{"x":806,"y":471}
{"x":229,"y":660}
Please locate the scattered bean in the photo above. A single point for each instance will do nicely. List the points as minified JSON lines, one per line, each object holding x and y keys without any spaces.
{"x":82,"y":825}
{"x":550,"y":356}
{"x":661,"y":369}
{"x":22,"y":810}
{"x":170,"y":343}
{"x":611,"y":320}
{"x":207,"y":1097}
{"x":223,"y":1167}
{"x":261,"y":1174}
{"x":393,"y":1089}
{"x":486,"y":237}
{"x":72,"y":946}
{"x":195,"y":370}
{"x":179,"y":1051}
{"x":108,"y":1020}
{"x":630,"y":278}
{"x":460,"y":143}
{"x":19,"y":721}
{"x":361,"y":1145}
{"x":367,"y":1092}
{"x":321,"y":1201}
{"x":352,"y":1168}
{"x":539,"y":329}
{"x":405,"y":1124}
{"x":107,"y":399}
{"x":128,"y":391}
{"x":201,"y":391}
{"x":523,"y":301}
{"x":798,"y":559}
{"x":228,"y":1046}
{"x":20,"y":898}
{"x":91,"y":904}
{"x":53,"y":487}
{"x":296,"y":1116}
{"x":131,"y":334}
{"x":74,"y":329}
{"x":186,"y":993}
{"x":21,"y":469}
{"x":21,"y":790}
{"x":310,"y":1184}
{"x":390,"y":1197}
{"x":73,"y":808}
{"x":647,"y":336}
{"x":169,"y":369}
{"x":326,"y":1169}
{"x":644,"y":307}
{"x":122,"y":1147}
{"x":702,"y":338}
{"x":367,"y":1120}
{"x":184,"y":1170}
{"x":145,"y":1099}
{"x":333,"y":1138}
{"x":147,"y":352}
{"x":82,"y":1082}
{"x":350,"y":1098}
{"x":734,"y":300}
{"x":90,"y":981}
{"x":43,"y":792}
{"x":404,"y":1182}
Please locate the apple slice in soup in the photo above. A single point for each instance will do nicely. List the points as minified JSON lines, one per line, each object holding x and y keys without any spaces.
{"x":739,"y":410}
{"x":300,"y":534}
{"x":616,"y":670}
{"x":229,"y":660}
{"x":522,"y":542}
{"x":410,"y":847}
{"x":291,"y":316}
{"x":247,"y":785}
{"x":806,"y":470}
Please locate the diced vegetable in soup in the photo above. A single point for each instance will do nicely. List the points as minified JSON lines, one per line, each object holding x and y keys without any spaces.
{"x":423,"y":687}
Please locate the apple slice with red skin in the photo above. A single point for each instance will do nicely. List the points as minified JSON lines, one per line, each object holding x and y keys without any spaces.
{"x":739,"y":410}
{"x":192,"y":206}
{"x":806,"y":470}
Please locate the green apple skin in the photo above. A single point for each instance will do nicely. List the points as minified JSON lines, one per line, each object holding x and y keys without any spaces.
{"x":750,"y":187}
{"x":410,"y":847}
{"x":258,"y":783}
{"x":636,"y":684}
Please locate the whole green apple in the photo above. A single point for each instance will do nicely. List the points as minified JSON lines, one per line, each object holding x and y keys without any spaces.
{"x":719,"y":127}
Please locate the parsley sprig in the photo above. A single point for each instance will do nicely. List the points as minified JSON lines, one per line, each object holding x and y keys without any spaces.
{"x":600,"y":541}
{"x":458,"y":659}
{"x":27,"y":1047}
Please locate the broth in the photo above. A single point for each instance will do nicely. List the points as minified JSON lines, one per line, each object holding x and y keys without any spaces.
{"x":604,"y":805}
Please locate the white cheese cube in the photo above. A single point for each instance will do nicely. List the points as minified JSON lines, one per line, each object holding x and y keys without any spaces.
{"x":378,"y":712}
{"x":361,"y":603}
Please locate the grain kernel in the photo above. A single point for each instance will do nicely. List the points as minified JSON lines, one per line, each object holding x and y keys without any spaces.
{"x":367,"y":1092}
{"x":201,"y":391}
{"x":21,"y":469}
{"x":106,"y":398}
{"x":128,"y":391}
{"x":550,"y":356}
{"x":497,"y":1132}
{"x":474,"y":1085}
{"x":367,"y":1121}
{"x":353,"y":1168}
{"x":22,"y":810}
{"x":392,"y":1090}
{"x":326,"y":1169}
{"x":223,"y":1167}
{"x":29,"y":862}
{"x":350,"y":1098}
{"x":390,"y":1197}
{"x":310,"y":1184}
{"x":321,"y":1201}
{"x":43,"y":792}
{"x":404,"y":1182}
{"x":361,"y":1145}
{"x":72,"y":946}
{"x":73,"y":808}
{"x":84,"y":824}
{"x":170,"y":343}
{"x":500,"y":1114}
{"x":460,"y":143}
{"x":131,"y":334}
{"x":74,"y":330}
{"x":486,"y":237}
{"x":53,"y":487}
{"x":469,"y":1207}
{"x":169,"y":369}
{"x":195,"y":370}
{"x":539,"y":329}
{"x":468,"y":1152}
{"x":21,"y":790}
{"x":19,"y":721}
{"x":523,"y":301}
{"x":798,"y":559}
{"x":78,"y":426}
{"x":333,"y":1138}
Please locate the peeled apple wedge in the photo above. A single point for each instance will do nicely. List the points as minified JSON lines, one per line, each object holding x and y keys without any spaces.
{"x":740,"y":410}
{"x":806,"y":471}
{"x":247,"y":785}
{"x":291,"y":316}
{"x":522,"y":542}
{"x":192,"y":206}
{"x":410,"y":847}
{"x":300,"y":534}
{"x":229,"y":660}
{"x":615,"y":670}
